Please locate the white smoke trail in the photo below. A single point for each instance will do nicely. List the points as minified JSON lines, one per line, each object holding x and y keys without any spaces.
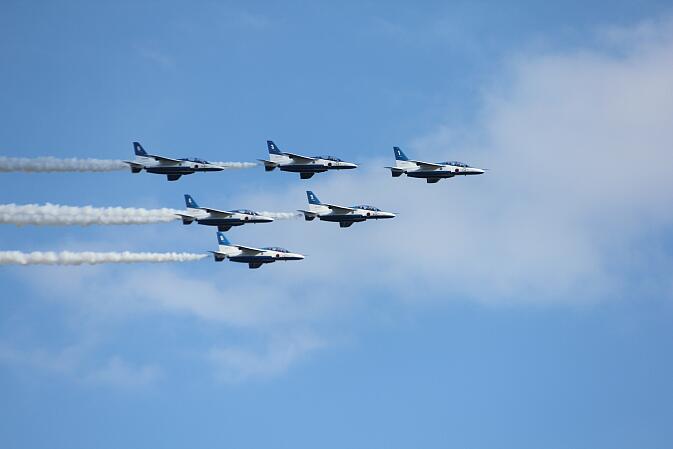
{"x":55,"y":215}
{"x":52,"y":164}
{"x":236,"y":164}
{"x":92,"y":258}
{"x":280,"y":215}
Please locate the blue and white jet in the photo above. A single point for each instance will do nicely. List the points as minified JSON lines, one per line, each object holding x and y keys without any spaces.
{"x":306,"y":166}
{"x":254,"y":257}
{"x":431,"y":171}
{"x":223,"y":219}
{"x":172,"y":168}
{"x":343,"y":215}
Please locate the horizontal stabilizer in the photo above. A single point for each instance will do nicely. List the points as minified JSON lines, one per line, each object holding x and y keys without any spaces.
{"x":308,"y":215}
{"x":186,"y":219}
{"x":395,"y":171}
{"x":268,"y":165}
{"x":135,"y":167}
{"x":219,"y":257}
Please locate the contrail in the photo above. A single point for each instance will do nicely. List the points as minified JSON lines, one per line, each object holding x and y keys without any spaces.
{"x":55,"y":215}
{"x":92,"y":258}
{"x":280,"y":215}
{"x":52,"y":164}
{"x":236,"y":164}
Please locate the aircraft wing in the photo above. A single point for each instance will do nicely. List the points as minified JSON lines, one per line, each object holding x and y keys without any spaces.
{"x":249,"y":250}
{"x":216,"y":211}
{"x":339,"y":209}
{"x":163,"y":159}
{"x":299,"y":157}
{"x":427,"y":165}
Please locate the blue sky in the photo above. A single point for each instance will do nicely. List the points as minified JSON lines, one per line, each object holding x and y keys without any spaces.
{"x":528,"y":307}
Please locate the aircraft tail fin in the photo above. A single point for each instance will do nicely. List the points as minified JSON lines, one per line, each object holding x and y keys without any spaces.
{"x":273,"y":149}
{"x":138,"y":149}
{"x":399,"y":154}
{"x":222,"y":239}
{"x":312,"y":198}
{"x":190,"y":203}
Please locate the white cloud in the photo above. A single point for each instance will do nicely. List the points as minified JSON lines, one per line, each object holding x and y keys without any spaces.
{"x":74,"y":362}
{"x":235,"y":364}
{"x":118,"y":372}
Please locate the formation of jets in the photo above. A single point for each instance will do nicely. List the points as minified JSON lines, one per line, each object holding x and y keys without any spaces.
{"x":306,"y":166}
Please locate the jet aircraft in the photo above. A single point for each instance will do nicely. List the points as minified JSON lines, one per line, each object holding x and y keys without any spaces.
{"x":172,"y":168}
{"x":431,"y":171}
{"x":254,"y":257}
{"x":345,"y":216}
{"x":306,"y":166}
{"x":223,"y":219}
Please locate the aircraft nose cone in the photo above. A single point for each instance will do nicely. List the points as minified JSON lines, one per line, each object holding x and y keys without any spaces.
{"x":350,"y":165}
{"x":267,"y":219}
{"x":479,"y":171}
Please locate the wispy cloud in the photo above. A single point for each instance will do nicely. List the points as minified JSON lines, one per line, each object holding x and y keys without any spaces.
{"x":235,"y":364}
{"x":118,"y":372}
{"x":73,"y":362}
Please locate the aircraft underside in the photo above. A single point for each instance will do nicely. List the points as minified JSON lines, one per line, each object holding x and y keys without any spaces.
{"x":224,"y":225}
{"x":253,"y":261}
{"x":296,"y":168}
{"x":305,"y":171}
{"x":344,"y":221}
{"x":174,"y":173}
{"x":343,"y":218}
{"x":430,"y":174}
